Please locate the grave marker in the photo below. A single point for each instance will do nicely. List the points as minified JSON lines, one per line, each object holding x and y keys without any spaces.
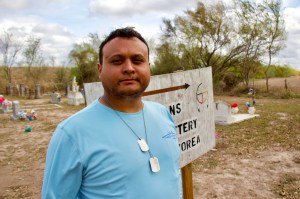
{"x":55,"y":98}
{"x":15,"y":110}
{"x":22,"y":90}
{"x":10,"y":89}
{"x":27,"y":91}
{"x":37,"y":93}
{"x":222,"y":112}
{"x":75,"y":97}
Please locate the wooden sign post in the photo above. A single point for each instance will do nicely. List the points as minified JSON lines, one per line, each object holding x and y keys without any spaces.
{"x":189,"y":97}
{"x":187,"y":182}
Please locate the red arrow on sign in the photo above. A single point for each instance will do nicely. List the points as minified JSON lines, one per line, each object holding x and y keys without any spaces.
{"x":164,"y":90}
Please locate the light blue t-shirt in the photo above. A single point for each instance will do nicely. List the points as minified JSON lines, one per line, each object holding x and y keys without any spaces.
{"x":94,"y":155}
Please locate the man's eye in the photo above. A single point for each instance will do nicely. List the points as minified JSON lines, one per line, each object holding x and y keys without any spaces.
{"x":116,"y":61}
{"x":138,"y":61}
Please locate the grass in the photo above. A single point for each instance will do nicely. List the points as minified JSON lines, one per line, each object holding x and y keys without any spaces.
{"x":288,"y":186}
{"x":270,"y":127}
{"x":277,"y":127}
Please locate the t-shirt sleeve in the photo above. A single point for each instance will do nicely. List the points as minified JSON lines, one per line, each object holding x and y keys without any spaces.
{"x":63,"y":170}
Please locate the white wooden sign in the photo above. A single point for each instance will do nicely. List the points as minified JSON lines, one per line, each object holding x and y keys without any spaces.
{"x":189,"y":97}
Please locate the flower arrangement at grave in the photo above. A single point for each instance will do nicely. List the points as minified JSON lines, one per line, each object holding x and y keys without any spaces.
{"x":2,"y":99}
{"x":250,"y":109}
{"x":22,"y":115}
{"x":6,"y":103}
{"x":234,"y":108}
{"x":31,"y":115}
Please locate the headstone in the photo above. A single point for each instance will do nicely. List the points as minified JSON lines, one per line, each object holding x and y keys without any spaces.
{"x":27,"y":91}
{"x":37,"y":91}
{"x":55,"y":98}
{"x":75,"y":98}
{"x":10,"y":89}
{"x":222,"y":112}
{"x":16,"y":89}
{"x":22,"y":90}
{"x":15,"y":109}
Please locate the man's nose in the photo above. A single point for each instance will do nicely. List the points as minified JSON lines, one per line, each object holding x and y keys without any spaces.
{"x":128,"y":67}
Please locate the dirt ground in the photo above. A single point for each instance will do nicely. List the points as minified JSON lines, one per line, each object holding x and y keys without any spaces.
{"x":258,"y":158}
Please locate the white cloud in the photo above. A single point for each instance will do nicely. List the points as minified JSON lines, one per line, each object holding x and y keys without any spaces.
{"x":19,"y":25}
{"x":290,"y":55}
{"x":56,"y":40}
{"x":61,"y":23}
{"x":16,"y":4}
{"x":136,"y":7}
{"x":52,"y":29}
{"x":292,"y":19}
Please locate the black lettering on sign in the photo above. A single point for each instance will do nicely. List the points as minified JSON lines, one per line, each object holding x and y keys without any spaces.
{"x":190,"y":143}
{"x":175,"y":109}
{"x":187,"y":126}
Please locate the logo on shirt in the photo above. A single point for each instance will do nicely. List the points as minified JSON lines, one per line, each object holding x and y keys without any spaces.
{"x":170,"y":135}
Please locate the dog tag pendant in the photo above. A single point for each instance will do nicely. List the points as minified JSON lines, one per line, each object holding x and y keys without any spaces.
{"x":154,"y":164}
{"x":143,"y":145}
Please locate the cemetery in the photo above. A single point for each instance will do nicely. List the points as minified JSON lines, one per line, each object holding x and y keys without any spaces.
{"x":227,"y":71}
{"x":237,"y":147}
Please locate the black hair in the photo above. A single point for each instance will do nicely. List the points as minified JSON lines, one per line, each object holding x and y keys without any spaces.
{"x":127,"y":32}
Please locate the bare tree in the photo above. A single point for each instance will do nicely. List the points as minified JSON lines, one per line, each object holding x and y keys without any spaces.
{"x":251,"y":33}
{"x":32,"y":52}
{"x":34,"y":58}
{"x":52,"y":61}
{"x":10,"y":48}
{"x":275,"y":32}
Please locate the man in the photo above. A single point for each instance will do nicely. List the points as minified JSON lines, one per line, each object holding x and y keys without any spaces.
{"x":116,"y":148}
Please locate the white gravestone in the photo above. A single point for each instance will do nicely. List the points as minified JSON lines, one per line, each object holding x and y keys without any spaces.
{"x":15,"y":110}
{"x":55,"y":98}
{"x":189,"y":97}
{"x":224,"y":116}
{"x":222,"y":112}
{"x":75,"y":97}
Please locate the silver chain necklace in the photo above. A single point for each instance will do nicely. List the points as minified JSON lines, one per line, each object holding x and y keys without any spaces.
{"x":154,"y":163}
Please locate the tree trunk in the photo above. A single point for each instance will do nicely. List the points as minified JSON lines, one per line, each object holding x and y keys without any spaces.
{"x":267,"y":83}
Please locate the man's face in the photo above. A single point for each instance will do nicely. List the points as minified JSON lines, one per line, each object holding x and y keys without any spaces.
{"x":125,"y":71}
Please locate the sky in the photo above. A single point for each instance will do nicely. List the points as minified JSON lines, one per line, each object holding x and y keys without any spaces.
{"x":61,"y":23}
